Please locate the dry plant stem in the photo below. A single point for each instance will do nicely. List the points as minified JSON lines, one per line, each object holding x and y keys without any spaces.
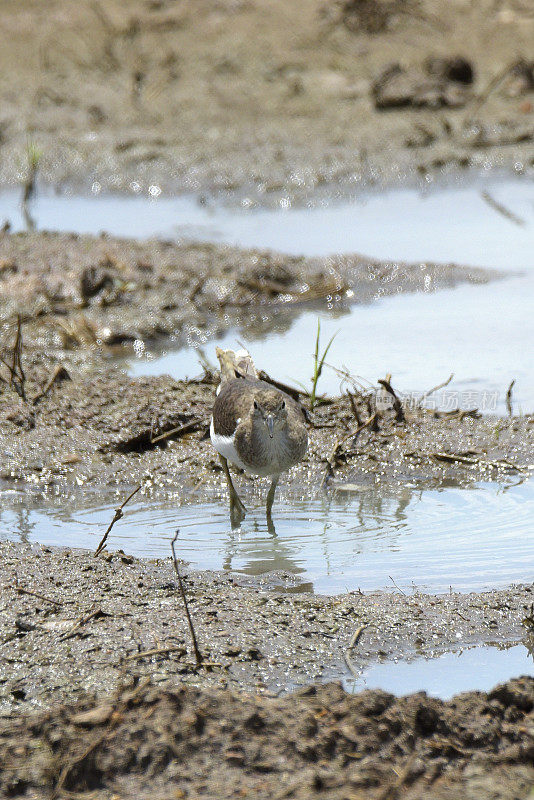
{"x":473,"y":461}
{"x":492,"y":85}
{"x":290,"y":390}
{"x":198,"y":654}
{"x":96,"y":612}
{"x":181,"y":429}
{"x":356,"y":636}
{"x":17,"y":378}
{"x":396,"y":585}
{"x":509,"y":398}
{"x":500,"y":209}
{"x":21,"y":590}
{"x":331,"y":460}
{"x":435,"y":389}
{"x":116,"y":518}
{"x":60,"y":373}
{"x":156,"y":651}
{"x":397,"y":405}
{"x":354,"y":408}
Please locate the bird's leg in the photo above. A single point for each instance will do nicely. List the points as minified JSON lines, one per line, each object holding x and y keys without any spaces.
{"x":270,"y":495}
{"x":237,"y":509}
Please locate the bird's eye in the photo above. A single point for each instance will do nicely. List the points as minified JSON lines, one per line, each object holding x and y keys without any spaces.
{"x":282,"y":405}
{"x":256,"y":406}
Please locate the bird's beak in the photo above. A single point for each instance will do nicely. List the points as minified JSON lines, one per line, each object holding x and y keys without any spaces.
{"x":269,"y":421}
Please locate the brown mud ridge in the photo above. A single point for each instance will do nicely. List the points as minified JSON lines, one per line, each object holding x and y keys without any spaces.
{"x":86,"y":291}
{"x":319,"y":743}
{"x":234,"y":96}
{"x":107,"y":636}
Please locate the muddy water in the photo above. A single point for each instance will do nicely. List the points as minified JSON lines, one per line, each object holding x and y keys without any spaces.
{"x":447,"y":674}
{"x":362,"y":539}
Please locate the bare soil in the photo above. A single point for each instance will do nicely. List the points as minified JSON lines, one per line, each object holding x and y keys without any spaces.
{"x":101,"y":645}
{"x":284,"y":98}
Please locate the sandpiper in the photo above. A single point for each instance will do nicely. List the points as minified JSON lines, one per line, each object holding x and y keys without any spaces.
{"x":255,"y":426}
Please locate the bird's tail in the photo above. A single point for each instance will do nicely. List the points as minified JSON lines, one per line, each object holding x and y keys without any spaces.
{"x":237,"y":364}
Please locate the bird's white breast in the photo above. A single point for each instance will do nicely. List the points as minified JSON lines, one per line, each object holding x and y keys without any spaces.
{"x":225,"y":446}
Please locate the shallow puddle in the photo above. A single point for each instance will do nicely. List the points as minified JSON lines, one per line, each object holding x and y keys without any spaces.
{"x":475,"y":668}
{"x":432,"y":540}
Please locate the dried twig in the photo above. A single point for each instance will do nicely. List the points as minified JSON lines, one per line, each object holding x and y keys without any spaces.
{"x":397,"y":405}
{"x":354,"y":408}
{"x":290,"y":390}
{"x":156,"y":651}
{"x":396,"y":585}
{"x":435,"y":389}
{"x":59,"y":374}
{"x":193,"y":424}
{"x":96,"y":612}
{"x":332,"y":458}
{"x":198,"y":654}
{"x":355,"y":638}
{"x":500,"y":209}
{"x":475,"y":461}
{"x":21,"y":590}
{"x":490,"y":88}
{"x":509,"y":398}
{"x":116,"y":518}
{"x":17,"y":378}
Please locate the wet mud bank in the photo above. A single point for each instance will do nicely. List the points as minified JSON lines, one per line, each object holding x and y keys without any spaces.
{"x":102,"y":645}
{"x":79,"y":422}
{"x":86,"y":291}
{"x":106,"y":432}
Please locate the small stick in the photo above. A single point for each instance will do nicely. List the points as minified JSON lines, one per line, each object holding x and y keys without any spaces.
{"x":397,"y":405}
{"x":492,"y":85}
{"x":502,"y":464}
{"x":198,"y":654}
{"x":509,"y":398}
{"x":187,"y":426}
{"x":356,"y":636}
{"x":156,"y":651}
{"x":290,"y":390}
{"x":21,"y":590}
{"x":352,"y":434}
{"x":78,"y":624}
{"x":435,"y":388}
{"x":17,"y":378}
{"x":500,"y":209}
{"x":60,"y":373}
{"x":397,"y":585}
{"x":354,"y":408}
{"x":116,"y":518}
{"x":372,"y":416}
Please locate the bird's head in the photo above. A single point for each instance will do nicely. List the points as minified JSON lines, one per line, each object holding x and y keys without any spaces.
{"x":269,"y":412}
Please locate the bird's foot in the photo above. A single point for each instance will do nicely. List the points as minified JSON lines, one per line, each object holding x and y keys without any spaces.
{"x":237,"y":510}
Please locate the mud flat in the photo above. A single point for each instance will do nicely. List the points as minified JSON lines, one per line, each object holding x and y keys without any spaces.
{"x":107,"y":635}
{"x":102,"y":643}
{"x":227,"y":96}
